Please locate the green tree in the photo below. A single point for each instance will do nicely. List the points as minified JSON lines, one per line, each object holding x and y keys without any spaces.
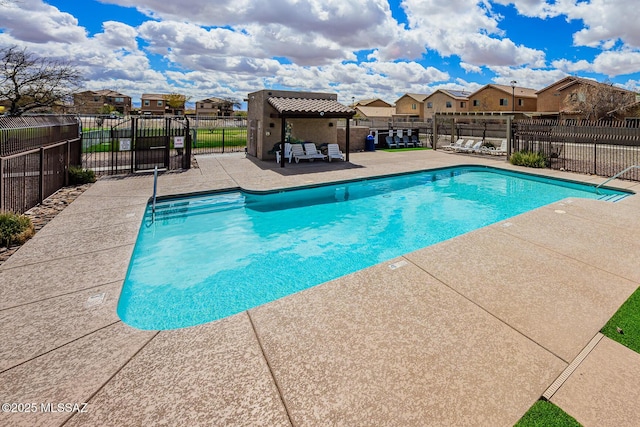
{"x":175,"y":101}
{"x":29,"y":82}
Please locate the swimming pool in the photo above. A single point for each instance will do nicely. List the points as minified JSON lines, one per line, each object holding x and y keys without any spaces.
{"x":211,"y":256}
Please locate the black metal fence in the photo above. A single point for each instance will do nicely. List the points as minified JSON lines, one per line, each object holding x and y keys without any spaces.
{"x":35,"y":155}
{"x":599,"y":148}
{"x":126,"y":145}
{"x":150,"y":141}
{"x":218,"y":134}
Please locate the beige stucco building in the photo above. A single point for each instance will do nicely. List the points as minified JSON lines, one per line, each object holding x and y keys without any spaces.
{"x":495,"y":98}
{"x":410,"y":106}
{"x":445,"y":101}
{"x":275,"y":115}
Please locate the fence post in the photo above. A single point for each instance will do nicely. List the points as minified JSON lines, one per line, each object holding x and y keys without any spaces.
{"x":1,"y":184}
{"x":41,"y":183}
{"x":186,"y":161}
{"x":595,"y":156}
{"x":66,"y":164}
{"x":223,"y":140}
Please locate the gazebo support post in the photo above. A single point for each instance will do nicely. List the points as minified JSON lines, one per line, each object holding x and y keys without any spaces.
{"x":283,"y":132}
{"x":347,"y":141}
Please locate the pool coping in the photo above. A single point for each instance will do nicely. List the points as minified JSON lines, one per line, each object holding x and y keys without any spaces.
{"x":71,"y":363}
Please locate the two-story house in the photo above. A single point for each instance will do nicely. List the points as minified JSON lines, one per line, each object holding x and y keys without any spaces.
{"x":496,"y":98}
{"x":574,"y":97}
{"x":153,"y":104}
{"x":94,"y":102}
{"x":214,"y":107}
{"x":445,"y":101}
{"x":410,"y":107}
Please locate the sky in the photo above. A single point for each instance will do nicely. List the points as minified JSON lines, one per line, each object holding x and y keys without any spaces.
{"x":359,"y":49}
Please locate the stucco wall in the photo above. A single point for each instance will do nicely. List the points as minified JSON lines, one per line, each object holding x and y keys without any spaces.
{"x":439,"y":104}
{"x":357,"y":138}
{"x":405,"y":105}
{"x":489,"y":100}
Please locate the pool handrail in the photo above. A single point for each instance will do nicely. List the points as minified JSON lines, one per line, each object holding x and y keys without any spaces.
{"x":616,"y":176}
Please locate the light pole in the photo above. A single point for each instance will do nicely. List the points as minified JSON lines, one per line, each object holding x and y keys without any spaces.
{"x":513,"y":95}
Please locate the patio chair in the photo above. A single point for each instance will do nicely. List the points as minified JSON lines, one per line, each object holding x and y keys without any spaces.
{"x":297,"y":152}
{"x":333,"y":152}
{"x":391,"y":143}
{"x":415,"y":140}
{"x":474,"y":148}
{"x":287,"y":152}
{"x":454,"y":145}
{"x":464,"y":147}
{"x":312,"y":151}
{"x":407,"y":142}
{"x":500,"y":151}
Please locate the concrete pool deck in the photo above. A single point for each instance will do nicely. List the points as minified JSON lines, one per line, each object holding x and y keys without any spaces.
{"x":471,"y":331}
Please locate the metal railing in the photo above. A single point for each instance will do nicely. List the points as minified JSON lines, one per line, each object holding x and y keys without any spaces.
{"x":29,"y":177}
{"x":618,"y":175}
{"x":35,"y":155}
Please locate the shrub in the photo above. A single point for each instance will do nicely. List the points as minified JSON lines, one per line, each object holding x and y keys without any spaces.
{"x":529,"y":159}
{"x":15,"y":228}
{"x":488,"y":144}
{"x":78,"y":175}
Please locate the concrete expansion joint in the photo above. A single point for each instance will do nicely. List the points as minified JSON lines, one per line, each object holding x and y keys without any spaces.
{"x":564,"y":376}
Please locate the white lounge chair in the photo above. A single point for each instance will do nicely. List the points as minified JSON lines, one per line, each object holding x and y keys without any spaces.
{"x":391,"y":142}
{"x":312,"y":151}
{"x":454,"y":145}
{"x":502,"y":150}
{"x":466,"y":146}
{"x":475,"y":147}
{"x":415,"y":140}
{"x":333,"y":151}
{"x":287,"y":152}
{"x":297,"y":152}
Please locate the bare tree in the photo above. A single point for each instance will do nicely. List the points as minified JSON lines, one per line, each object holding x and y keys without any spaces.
{"x":594,"y":100}
{"x":28,"y":82}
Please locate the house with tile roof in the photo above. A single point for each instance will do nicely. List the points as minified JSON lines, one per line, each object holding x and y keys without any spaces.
{"x":94,"y":102}
{"x":157,"y":104}
{"x":496,"y":98}
{"x":214,"y":106}
{"x":563,"y":97}
{"x":410,"y":107}
{"x":445,"y":101}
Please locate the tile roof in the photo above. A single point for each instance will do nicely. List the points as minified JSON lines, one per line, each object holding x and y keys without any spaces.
{"x":310,"y":107}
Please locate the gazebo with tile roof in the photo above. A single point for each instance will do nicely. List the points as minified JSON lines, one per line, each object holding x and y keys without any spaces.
{"x":315,"y":113}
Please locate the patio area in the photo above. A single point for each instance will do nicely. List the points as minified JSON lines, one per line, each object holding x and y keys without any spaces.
{"x":471,"y":331}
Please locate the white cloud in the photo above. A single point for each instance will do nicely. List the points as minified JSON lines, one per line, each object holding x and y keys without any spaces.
{"x":572,"y":67}
{"x":470,"y":68}
{"x":468,"y":29}
{"x":42,"y":24}
{"x":615,"y":63}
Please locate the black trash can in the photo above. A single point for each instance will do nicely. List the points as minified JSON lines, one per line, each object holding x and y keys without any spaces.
{"x":370,"y":143}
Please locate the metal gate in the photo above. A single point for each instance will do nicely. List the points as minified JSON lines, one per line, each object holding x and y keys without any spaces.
{"x":143,"y":143}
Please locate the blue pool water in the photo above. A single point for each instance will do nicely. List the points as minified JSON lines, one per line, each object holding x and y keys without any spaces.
{"x":208,"y":257}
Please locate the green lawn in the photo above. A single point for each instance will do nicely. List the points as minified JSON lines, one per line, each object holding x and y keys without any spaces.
{"x":624,"y":326}
{"x":205,"y":138}
{"x":233,"y":137}
{"x":546,"y":414}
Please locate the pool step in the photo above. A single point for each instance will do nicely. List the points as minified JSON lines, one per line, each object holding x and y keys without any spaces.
{"x":612,"y":197}
{"x":178,"y":208}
